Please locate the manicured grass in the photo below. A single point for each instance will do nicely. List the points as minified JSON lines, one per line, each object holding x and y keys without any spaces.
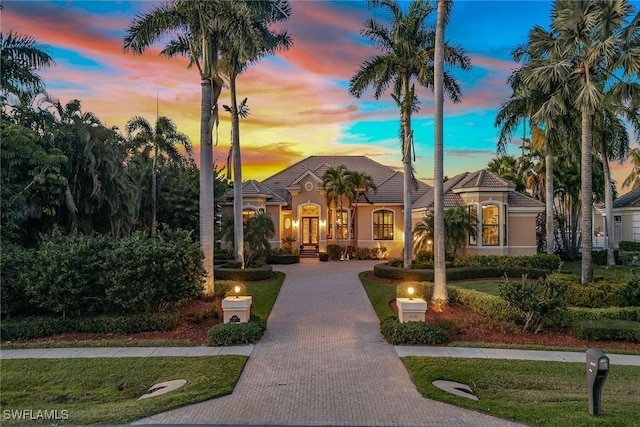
{"x":602,"y":347}
{"x":537,"y":393}
{"x":264,"y":295}
{"x":100,"y":343}
{"x":619,"y":273}
{"x":106,"y":391}
{"x":380,"y":294}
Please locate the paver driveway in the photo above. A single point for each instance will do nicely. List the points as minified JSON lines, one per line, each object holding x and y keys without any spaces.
{"x":323,"y":361}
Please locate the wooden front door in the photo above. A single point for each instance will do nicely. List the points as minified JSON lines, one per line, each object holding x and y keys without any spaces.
{"x":310,"y":230}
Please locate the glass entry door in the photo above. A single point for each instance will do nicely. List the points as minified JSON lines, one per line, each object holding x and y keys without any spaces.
{"x":310,"y":231}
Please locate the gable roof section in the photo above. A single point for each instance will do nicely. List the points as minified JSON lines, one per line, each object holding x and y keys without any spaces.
{"x":629,"y":200}
{"x":257,"y":189}
{"x":482,"y":179}
{"x":388,"y":181}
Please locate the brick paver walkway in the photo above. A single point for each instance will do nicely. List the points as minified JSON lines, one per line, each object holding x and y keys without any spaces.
{"x":323,"y":361}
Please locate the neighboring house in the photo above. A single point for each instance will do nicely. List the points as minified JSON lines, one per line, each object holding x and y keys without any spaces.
{"x":626,"y":219}
{"x":296,"y":202}
{"x":506,"y":219}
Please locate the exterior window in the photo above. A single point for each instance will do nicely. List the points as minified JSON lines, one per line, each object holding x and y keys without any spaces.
{"x":342,"y":224}
{"x":473,"y":213}
{"x":490,"y":225}
{"x":331,"y":224}
{"x":248,"y":213}
{"x":617,"y":218}
{"x":383,"y":225}
{"x":504,"y":226}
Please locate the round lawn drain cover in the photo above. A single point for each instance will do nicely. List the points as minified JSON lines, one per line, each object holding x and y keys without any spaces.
{"x":458,"y":389}
{"x":162,"y":388}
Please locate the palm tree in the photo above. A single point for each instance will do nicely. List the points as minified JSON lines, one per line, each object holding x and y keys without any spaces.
{"x":611,"y":139}
{"x":458,"y":224}
{"x":508,"y":167}
{"x":20,"y":57}
{"x":236,"y":57}
{"x":591,"y":45}
{"x":337,"y":187}
{"x":361,"y":183}
{"x":197,"y":29}
{"x":258,"y":231}
{"x":633,"y":179}
{"x":160,"y":140}
{"x":408,"y":53}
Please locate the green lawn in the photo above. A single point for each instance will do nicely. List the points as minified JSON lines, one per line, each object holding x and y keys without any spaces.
{"x":380,"y":294}
{"x":619,"y":273}
{"x":106,"y":391}
{"x":487,"y":286}
{"x":537,"y":393}
{"x":264,"y":295}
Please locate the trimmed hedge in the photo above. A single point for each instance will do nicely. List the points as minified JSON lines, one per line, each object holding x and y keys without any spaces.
{"x":491,"y":306}
{"x":249,"y":274}
{"x":629,"y":257}
{"x":397,"y":333}
{"x":607,"y":330}
{"x":387,"y":271}
{"x":627,"y":245}
{"x":237,"y":333}
{"x":575,"y":314}
{"x":45,"y":326}
{"x":599,"y":294}
{"x":323,"y":256}
{"x":283,"y":259}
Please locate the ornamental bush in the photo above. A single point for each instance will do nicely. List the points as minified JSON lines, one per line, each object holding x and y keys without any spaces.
{"x":397,"y":333}
{"x":335,"y":251}
{"x":627,"y":245}
{"x":16,"y":272}
{"x":237,"y":333}
{"x":630,"y":293}
{"x":607,"y":330}
{"x":538,"y":301}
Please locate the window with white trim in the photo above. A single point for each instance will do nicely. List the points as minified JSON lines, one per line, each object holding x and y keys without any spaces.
{"x":490,"y":225}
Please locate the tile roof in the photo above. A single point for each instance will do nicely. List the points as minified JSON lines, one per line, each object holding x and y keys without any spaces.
{"x":629,"y":200}
{"x":255,"y":188}
{"x":469,"y":180}
{"x":388,"y":180}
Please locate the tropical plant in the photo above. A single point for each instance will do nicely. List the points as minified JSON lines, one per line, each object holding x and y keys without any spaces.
{"x":236,"y":57}
{"x":633,"y":179}
{"x":258,"y":230}
{"x":361,"y":184}
{"x":591,"y":46}
{"x":337,"y":187}
{"x":21,"y":56}
{"x":160,"y":140}
{"x":458,"y":224}
{"x":408,"y":53}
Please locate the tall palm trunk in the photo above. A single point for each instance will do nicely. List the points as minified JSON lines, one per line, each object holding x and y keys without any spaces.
{"x":586,"y":188}
{"x":407,"y":169}
{"x":440,"y":295}
{"x":206,"y":181}
{"x":608,"y":202}
{"x":548,"y":197}
{"x":238,"y":236}
{"x":154,"y":190}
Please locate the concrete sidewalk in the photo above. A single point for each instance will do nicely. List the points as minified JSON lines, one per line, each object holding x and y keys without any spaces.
{"x":402,"y":351}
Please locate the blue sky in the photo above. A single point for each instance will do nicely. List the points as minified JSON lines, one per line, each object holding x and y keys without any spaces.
{"x":299,"y":101}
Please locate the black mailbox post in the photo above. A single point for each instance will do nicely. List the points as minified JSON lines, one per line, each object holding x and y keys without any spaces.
{"x":597,"y":370}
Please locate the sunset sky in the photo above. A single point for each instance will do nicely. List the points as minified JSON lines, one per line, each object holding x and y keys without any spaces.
{"x":299,"y":102}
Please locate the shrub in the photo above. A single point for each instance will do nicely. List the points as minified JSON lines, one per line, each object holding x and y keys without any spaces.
{"x":420,"y":289}
{"x":613,"y":313}
{"x":397,"y":333}
{"x":69,"y":275}
{"x":600,"y":257}
{"x":363,"y":253}
{"x":536,"y":306}
{"x":627,"y":245}
{"x":222,"y":288}
{"x":630,"y":293}
{"x":232,"y":264}
{"x":16,"y":272}
{"x":150,"y":273}
{"x":547,"y":262}
{"x":424,"y":256}
{"x":249,"y":274}
{"x":46,"y":326}
{"x":607,"y":330}
{"x":335,"y":251}
{"x":323,"y":256}
{"x":237,"y":333}
{"x":491,"y":306}
{"x":629,"y":257}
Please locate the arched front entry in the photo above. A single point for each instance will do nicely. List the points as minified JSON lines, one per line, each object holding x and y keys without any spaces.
{"x":309,"y":225}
